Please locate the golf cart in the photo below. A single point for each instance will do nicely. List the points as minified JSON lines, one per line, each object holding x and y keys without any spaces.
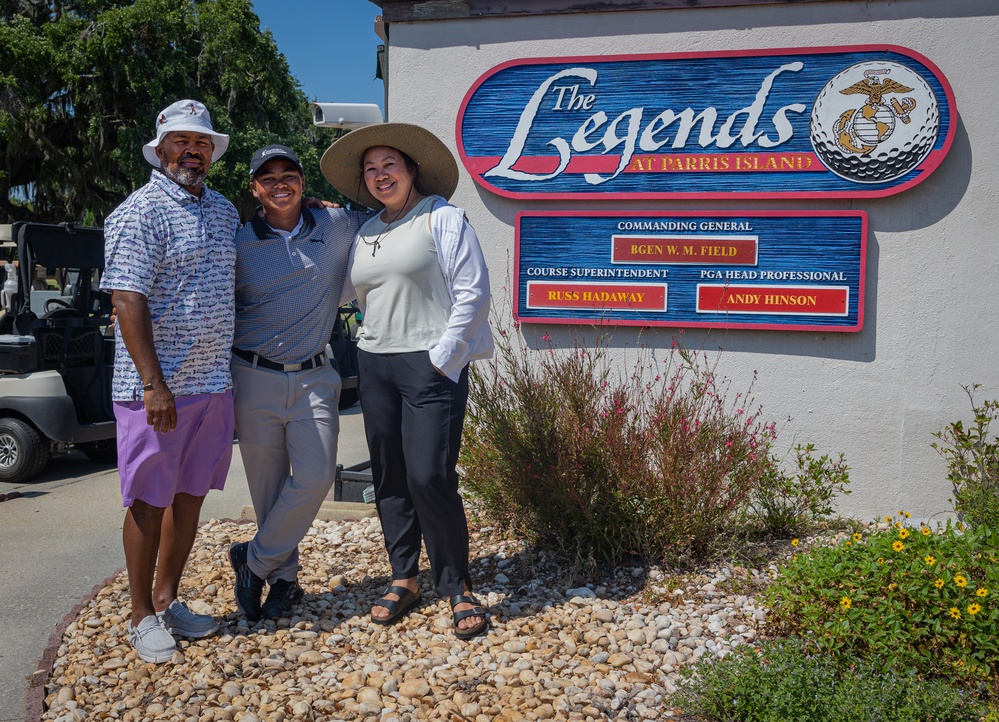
{"x":56,"y":352}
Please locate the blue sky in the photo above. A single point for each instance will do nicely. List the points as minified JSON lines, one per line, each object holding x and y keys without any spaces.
{"x":330,"y":46}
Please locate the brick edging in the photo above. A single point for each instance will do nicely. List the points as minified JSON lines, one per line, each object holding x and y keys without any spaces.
{"x":43,"y":670}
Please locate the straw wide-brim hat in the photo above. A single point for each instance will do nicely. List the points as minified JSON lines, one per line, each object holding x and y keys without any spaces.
{"x":437,"y":172}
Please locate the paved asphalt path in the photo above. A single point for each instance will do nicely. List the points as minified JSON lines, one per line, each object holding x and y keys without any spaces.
{"x":62,"y":537}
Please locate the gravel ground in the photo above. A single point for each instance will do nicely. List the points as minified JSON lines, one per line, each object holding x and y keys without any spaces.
{"x":607,"y":650}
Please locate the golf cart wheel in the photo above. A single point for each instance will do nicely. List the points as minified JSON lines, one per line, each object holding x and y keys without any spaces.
{"x":104,"y":451}
{"x":23,"y":451}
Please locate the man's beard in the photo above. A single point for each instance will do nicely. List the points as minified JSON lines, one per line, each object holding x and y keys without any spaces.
{"x":186,"y":177}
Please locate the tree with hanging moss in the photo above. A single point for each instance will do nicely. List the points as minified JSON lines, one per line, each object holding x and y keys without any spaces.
{"x":81,"y":82}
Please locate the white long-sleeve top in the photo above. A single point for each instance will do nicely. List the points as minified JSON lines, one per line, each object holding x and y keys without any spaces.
{"x":466,"y":333}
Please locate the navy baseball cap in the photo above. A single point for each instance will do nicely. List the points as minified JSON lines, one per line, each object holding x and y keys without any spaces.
{"x":269,"y":153}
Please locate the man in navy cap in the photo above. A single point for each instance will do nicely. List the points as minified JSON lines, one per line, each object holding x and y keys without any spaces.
{"x":290,"y":271}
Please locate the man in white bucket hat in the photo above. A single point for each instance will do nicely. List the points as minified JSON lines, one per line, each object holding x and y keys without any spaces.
{"x":170,"y":258}
{"x":187,"y":117}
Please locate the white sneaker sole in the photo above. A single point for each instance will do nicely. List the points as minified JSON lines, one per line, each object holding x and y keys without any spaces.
{"x":158,"y":658}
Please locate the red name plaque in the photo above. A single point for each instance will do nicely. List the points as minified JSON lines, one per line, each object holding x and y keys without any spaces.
{"x":596,"y":296}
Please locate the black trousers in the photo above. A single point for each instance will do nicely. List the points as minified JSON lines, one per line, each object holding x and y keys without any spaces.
{"x":413,"y":418}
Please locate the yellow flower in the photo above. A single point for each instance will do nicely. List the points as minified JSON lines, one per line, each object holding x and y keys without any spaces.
{"x":794,"y":557}
{"x":848,"y":543}
{"x":897,"y":545}
{"x":881,"y":560}
{"x":925,"y":531}
{"x":954,"y":612}
{"x":887,"y":518}
{"x":974,"y":608}
{"x":903,"y":533}
{"x":901,"y":513}
{"x":930,"y":560}
{"x":939,"y":583}
{"x":982,"y":592}
{"x":960,"y":580}
{"x":960,"y":526}
{"x":845,"y":602}
{"x":897,"y":525}
{"x":794,"y":542}
{"x":908,"y":515}
{"x":857,"y":537}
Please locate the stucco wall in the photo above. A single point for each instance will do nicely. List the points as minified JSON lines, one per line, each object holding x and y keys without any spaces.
{"x":931,"y":298}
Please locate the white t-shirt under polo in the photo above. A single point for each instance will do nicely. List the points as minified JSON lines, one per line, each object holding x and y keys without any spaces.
{"x":400,"y":287}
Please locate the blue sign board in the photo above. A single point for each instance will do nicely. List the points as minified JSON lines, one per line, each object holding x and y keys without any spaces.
{"x":848,"y":122}
{"x":750,"y":269}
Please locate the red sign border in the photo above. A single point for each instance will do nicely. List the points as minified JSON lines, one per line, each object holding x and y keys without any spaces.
{"x":931,"y":163}
{"x":861,"y":281}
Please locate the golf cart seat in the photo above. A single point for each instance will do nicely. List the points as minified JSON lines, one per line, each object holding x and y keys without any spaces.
{"x":69,"y":328}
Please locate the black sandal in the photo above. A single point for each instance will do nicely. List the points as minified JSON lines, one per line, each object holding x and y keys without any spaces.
{"x":398,"y":608}
{"x":475,"y":611}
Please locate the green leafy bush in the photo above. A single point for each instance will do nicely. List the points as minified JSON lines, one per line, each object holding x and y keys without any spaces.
{"x":604,"y":467}
{"x":786,"y":503}
{"x":973,"y":461}
{"x":783,"y":681}
{"x":915,"y":598}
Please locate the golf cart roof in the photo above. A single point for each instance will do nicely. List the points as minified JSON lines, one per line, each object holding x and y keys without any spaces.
{"x":60,"y":246}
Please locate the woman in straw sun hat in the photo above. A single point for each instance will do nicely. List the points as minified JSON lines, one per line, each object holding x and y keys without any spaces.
{"x":423,"y":288}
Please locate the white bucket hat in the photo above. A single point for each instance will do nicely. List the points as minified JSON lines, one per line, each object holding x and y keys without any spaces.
{"x":189,"y":115}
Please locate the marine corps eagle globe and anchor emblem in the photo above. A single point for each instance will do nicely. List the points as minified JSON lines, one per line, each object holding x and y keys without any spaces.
{"x":883,"y":138}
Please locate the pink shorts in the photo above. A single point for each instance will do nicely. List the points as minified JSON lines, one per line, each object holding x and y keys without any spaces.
{"x":191,"y":459}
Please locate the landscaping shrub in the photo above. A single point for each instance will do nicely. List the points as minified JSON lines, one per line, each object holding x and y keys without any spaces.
{"x":654,"y":463}
{"x":913,"y":597}
{"x":787,"y":503}
{"x":973,"y":463}
{"x":783,"y":681}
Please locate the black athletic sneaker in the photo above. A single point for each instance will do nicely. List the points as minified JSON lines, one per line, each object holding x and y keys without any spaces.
{"x":248,"y":585}
{"x":281,"y":598}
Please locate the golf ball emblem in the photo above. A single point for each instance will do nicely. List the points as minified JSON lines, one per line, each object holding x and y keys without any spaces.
{"x":874,"y":122}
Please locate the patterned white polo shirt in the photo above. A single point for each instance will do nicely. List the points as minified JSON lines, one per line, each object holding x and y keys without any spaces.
{"x":179,"y":251}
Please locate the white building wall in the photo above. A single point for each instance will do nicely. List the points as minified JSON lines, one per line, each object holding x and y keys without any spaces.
{"x":933,"y":250}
